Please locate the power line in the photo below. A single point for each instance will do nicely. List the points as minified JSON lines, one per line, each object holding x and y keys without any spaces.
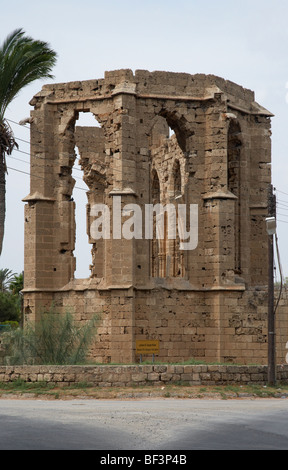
{"x":281,"y":206}
{"x":283,"y":215}
{"x":42,"y":132}
{"x":282,"y":192}
{"x":37,"y":176}
{"x":41,"y":166}
{"x":24,"y":172}
{"x":282,"y":200}
{"x":52,"y":159}
{"x":44,"y":158}
{"x":22,"y":140}
{"x":14,"y":122}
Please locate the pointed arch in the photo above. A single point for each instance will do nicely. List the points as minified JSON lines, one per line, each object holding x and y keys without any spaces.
{"x":234,"y":146}
{"x":177,"y":255}
{"x":155,"y":243}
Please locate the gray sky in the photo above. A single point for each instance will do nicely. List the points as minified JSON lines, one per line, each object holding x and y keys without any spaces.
{"x":244,"y":41}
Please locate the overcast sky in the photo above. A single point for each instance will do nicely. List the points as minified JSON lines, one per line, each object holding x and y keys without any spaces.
{"x":244,"y":41}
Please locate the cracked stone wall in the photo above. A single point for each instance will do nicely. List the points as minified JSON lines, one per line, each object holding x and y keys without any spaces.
{"x":166,"y":138}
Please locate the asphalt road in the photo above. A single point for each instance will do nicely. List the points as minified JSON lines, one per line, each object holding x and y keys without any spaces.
{"x":152,"y":425}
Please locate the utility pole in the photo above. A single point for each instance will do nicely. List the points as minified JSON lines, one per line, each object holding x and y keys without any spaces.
{"x":271,"y":229}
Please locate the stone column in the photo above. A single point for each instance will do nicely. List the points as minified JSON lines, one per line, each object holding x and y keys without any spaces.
{"x":39,"y":259}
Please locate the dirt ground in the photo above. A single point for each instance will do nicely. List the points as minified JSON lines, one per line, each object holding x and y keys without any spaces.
{"x":170,"y":391}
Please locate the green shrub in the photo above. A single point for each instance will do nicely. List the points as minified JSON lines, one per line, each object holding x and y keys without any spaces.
{"x":54,"y":339}
{"x":10,"y":324}
{"x":10,"y":307}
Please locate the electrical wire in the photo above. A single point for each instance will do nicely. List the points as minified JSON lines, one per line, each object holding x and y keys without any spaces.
{"x":21,"y":125}
{"x":52,"y":159}
{"x":281,"y":275}
{"x":39,"y":156}
{"x":281,"y":192}
{"x":281,"y":204}
{"x":40,"y":166}
{"x":37,"y":176}
{"x":282,"y":201}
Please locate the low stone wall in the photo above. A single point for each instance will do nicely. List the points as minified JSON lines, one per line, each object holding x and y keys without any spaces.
{"x":131,"y":375}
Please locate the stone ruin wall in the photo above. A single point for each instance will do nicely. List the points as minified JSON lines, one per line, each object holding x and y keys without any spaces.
{"x":209,"y":303}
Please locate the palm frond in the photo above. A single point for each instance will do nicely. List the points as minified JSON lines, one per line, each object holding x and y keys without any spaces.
{"x":7,"y":142}
{"x":22,"y":61}
{"x":6,"y":277}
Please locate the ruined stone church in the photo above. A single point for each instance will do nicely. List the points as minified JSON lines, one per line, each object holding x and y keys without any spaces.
{"x":167,"y":139}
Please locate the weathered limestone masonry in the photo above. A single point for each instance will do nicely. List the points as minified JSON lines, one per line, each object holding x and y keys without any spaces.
{"x":130,"y":375}
{"x":210,"y":302}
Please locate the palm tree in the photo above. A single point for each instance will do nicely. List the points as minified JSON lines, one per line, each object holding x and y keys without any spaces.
{"x":6,"y":277}
{"x":16,"y":283}
{"x":22,"y":61}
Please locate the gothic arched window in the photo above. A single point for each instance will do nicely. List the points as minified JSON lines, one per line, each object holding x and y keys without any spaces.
{"x":234,"y":182}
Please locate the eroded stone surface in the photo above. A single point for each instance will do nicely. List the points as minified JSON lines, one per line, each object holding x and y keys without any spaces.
{"x":210,"y":302}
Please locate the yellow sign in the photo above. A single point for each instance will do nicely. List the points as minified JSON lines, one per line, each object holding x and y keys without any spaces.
{"x":149,"y":346}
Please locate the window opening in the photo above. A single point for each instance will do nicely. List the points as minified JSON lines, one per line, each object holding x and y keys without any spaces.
{"x":234,"y":183}
{"x":155,"y":196}
{"x":170,"y":132}
{"x":82,"y":251}
{"x":167,"y":259}
{"x":177,"y":254}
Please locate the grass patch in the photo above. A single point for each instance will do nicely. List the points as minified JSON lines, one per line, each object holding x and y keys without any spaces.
{"x":189,"y":362}
{"x":20,"y":385}
{"x":47,"y":390}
